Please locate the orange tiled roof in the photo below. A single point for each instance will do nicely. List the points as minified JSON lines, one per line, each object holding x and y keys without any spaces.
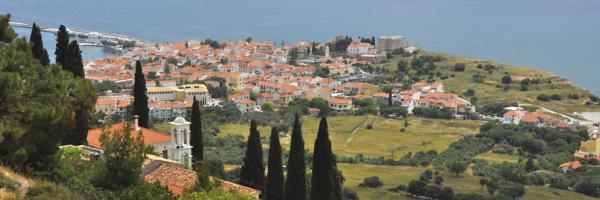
{"x":177,"y":179}
{"x":572,"y":165}
{"x":382,"y":94}
{"x":150,"y":136}
{"x":339,"y":101}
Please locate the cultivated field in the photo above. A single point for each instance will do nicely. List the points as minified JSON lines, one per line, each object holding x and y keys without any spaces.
{"x":350,"y":136}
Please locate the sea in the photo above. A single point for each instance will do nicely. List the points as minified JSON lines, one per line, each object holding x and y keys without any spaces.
{"x":561,"y":36}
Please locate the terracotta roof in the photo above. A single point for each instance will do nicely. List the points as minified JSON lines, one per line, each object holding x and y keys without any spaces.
{"x":150,"y":136}
{"x":355,"y":84}
{"x":120,"y":103}
{"x":419,"y":84}
{"x":513,"y":113}
{"x":339,"y":101}
{"x":572,"y":165}
{"x":382,"y":94}
{"x":179,"y":179}
{"x":530,"y":117}
{"x":359,"y":44}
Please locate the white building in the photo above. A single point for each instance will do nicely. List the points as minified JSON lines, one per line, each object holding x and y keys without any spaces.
{"x":175,"y":145}
{"x":360,"y":48}
{"x":180,"y":149}
{"x":166,"y":111}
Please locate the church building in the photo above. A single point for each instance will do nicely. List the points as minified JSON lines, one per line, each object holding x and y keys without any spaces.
{"x":174,"y":146}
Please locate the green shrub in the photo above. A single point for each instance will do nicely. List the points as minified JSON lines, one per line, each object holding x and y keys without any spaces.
{"x":543,"y":97}
{"x":44,"y":190}
{"x":371,"y":182}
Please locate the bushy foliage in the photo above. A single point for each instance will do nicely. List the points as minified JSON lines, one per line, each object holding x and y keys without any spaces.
{"x":371,"y":182}
{"x":146,"y":191}
{"x":496,"y":109}
{"x":37,"y":108}
{"x":433,"y":113}
{"x":459,"y":67}
{"x":43,"y":190}
{"x":108,"y":85}
{"x":395,"y":110}
{"x":589,"y":186}
{"x":348,"y":194}
{"x":122,"y":160}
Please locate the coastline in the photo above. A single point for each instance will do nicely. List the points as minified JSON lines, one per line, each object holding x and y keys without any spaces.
{"x":141,"y":43}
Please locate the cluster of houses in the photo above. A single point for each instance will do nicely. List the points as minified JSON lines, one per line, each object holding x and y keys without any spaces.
{"x":519,"y":116}
{"x":589,"y":149}
{"x":253,"y":73}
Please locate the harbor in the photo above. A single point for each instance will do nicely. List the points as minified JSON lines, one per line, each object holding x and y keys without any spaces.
{"x":113,"y":42}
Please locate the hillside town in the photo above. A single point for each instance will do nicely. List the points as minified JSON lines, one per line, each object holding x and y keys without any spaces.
{"x":253,"y":73}
{"x":191,"y":120}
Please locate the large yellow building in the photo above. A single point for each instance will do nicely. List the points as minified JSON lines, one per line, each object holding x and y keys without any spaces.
{"x":591,"y":146}
{"x":180,"y":93}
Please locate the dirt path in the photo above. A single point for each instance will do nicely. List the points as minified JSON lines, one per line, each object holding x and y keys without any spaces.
{"x":354,"y":131}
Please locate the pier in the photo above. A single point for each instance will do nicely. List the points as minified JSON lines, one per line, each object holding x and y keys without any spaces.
{"x":84,"y":34}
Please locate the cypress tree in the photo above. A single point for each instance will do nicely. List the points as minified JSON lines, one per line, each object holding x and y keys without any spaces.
{"x":274,"y":189}
{"x":253,"y":170}
{"x":62,"y":47}
{"x":140,"y":100}
{"x":325,"y":185}
{"x":295,"y":185}
{"x":196,"y":132}
{"x":75,"y":60}
{"x":390,"y":101}
{"x":79,"y":135}
{"x":37,"y":48}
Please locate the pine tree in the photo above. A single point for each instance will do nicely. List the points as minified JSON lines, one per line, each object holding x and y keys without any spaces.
{"x":253,"y":170}
{"x":324,"y":181}
{"x":140,"y":100}
{"x":37,"y":46}
{"x":62,"y":47}
{"x":274,"y":189}
{"x":196,"y":132}
{"x":295,"y":185}
{"x":75,"y":60}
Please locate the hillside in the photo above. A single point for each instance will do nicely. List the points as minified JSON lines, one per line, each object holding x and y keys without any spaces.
{"x":351,"y":137}
{"x":492,"y":90}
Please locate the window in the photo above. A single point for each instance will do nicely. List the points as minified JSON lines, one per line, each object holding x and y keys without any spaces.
{"x":165,"y":154}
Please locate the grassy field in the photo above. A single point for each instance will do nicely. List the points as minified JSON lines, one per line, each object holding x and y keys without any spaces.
{"x":384,"y":139}
{"x":487,"y":92}
{"x":499,"y":158}
{"x":393,"y":176}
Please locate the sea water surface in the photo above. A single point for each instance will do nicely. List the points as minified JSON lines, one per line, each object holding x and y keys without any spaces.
{"x":562,"y":36}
